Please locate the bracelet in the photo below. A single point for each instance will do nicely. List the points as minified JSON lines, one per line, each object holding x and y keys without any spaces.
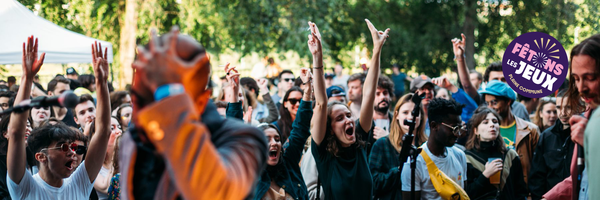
{"x":455,"y":58}
{"x":168,"y":90}
{"x":321,"y":67}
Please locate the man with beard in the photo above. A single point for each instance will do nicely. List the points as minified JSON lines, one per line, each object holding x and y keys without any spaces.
{"x":382,"y":117}
{"x":518,"y":134}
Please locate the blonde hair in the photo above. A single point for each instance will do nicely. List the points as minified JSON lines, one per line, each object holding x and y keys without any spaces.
{"x":396,"y":132}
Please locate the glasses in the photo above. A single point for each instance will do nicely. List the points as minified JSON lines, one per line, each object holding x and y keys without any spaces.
{"x":457,"y":130}
{"x":78,"y":149}
{"x":492,"y":103}
{"x":294,"y":101}
{"x":289,"y":79}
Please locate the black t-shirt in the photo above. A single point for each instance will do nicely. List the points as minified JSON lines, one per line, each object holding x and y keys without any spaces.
{"x":69,"y":119}
{"x":347,"y":176}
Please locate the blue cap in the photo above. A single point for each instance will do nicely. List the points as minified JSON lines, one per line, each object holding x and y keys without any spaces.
{"x":501,"y":89}
{"x":329,"y":75}
{"x":340,"y":92}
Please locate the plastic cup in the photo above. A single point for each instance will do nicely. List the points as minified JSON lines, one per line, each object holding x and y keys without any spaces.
{"x":494,"y":178}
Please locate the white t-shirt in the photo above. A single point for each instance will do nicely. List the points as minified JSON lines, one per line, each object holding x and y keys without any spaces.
{"x":454,"y":165}
{"x":76,"y":186}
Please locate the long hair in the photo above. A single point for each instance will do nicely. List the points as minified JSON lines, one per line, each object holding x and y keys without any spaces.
{"x":333,"y":144}
{"x":396,"y":131}
{"x":116,"y":99}
{"x":589,"y":47}
{"x":537,"y":119}
{"x":474,"y":142}
{"x":285,"y":121}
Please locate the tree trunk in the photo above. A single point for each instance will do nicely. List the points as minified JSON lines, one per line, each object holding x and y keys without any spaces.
{"x":127,"y":43}
{"x":469,"y":31}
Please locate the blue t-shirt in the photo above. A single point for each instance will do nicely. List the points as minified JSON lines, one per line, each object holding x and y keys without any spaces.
{"x":399,"y":82}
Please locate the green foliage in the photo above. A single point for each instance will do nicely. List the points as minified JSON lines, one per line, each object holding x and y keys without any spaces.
{"x":420,"y":35}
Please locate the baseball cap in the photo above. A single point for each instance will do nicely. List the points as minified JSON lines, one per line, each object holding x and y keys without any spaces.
{"x":419,"y":82}
{"x":329,"y":75}
{"x":498,"y":88}
{"x":335,"y":91}
{"x":71,"y":71}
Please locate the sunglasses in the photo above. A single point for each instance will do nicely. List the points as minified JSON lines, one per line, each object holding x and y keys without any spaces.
{"x":289,"y":79}
{"x":294,"y":101}
{"x":457,"y":130}
{"x":78,"y":149}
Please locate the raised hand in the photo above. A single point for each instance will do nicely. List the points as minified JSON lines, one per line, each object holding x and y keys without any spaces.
{"x":100,"y":61}
{"x":379,"y":37}
{"x":458,"y":46}
{"x":305,"y":75}
{"x":248,"y":115}
{"x":31,"y":63}
{"x":443,"y":82}
{"x":314,"y":40}
{"x":263,"y":86}
{"x":233,"y":87}
{"x":161,"y":64}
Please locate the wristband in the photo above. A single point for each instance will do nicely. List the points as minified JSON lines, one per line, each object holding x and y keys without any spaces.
{"x":321,"y":67}
{"x":455,"y":58}
{"x":168,"y":90}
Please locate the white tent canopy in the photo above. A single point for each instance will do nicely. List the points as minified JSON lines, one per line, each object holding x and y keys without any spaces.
{"x":60,"y":45}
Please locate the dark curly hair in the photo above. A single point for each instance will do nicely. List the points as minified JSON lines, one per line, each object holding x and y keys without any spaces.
{"x":333,"y":144}
{"x":495,"y":66}
{"x":43,"y":136}
{"x":386,"y":83}
{"x":439,"y":109}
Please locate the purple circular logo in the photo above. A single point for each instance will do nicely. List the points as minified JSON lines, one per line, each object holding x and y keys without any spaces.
{"x":535,"y":64}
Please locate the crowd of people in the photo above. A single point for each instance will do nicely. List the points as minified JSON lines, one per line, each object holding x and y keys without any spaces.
{"x":319,"y":136}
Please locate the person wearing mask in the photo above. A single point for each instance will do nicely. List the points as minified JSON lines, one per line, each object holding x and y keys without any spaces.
{"x":518,"y":134}
{"x":384,"y":160}
{"x":339,"y":144}
{"x":554,"y":151}
{"x":493,"y":171}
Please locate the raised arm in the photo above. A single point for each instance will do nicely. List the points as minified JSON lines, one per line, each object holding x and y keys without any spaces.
{"x":16,"y":157}
{"x":370,"y":86}
{"x":226,"y":171}
{"x":319,"y":120}
{"x":99,"y":142}
{"x":232,"y":89}
{"x":264,"y":92}
{"x":301,"y":126}
{"x":458,"y":47}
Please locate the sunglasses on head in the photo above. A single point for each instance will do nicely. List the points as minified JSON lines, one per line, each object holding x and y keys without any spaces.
{"x":294,"y":101}
{"x":78,"y":149}
{"x":289,"y":79}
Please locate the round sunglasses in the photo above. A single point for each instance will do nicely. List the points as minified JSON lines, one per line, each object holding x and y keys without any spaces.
{"x":78,"y":149}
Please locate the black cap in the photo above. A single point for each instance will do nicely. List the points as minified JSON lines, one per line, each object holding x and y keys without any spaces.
{"x":71,"y":71}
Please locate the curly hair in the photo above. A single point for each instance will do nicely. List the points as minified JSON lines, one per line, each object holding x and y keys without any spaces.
{"x":439,"y":109}
{"x":387,"y":84}
{"x":332,"y":142}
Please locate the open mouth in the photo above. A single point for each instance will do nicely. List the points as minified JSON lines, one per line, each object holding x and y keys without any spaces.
{"x":70,"y":165}
{"x":350,"y":131}
{"x":273,"y":154}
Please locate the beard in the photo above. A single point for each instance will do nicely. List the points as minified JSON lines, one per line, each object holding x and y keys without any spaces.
{"x":381,"y":107}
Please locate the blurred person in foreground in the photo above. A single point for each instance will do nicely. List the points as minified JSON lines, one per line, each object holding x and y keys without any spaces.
{"x":203,"y":156}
